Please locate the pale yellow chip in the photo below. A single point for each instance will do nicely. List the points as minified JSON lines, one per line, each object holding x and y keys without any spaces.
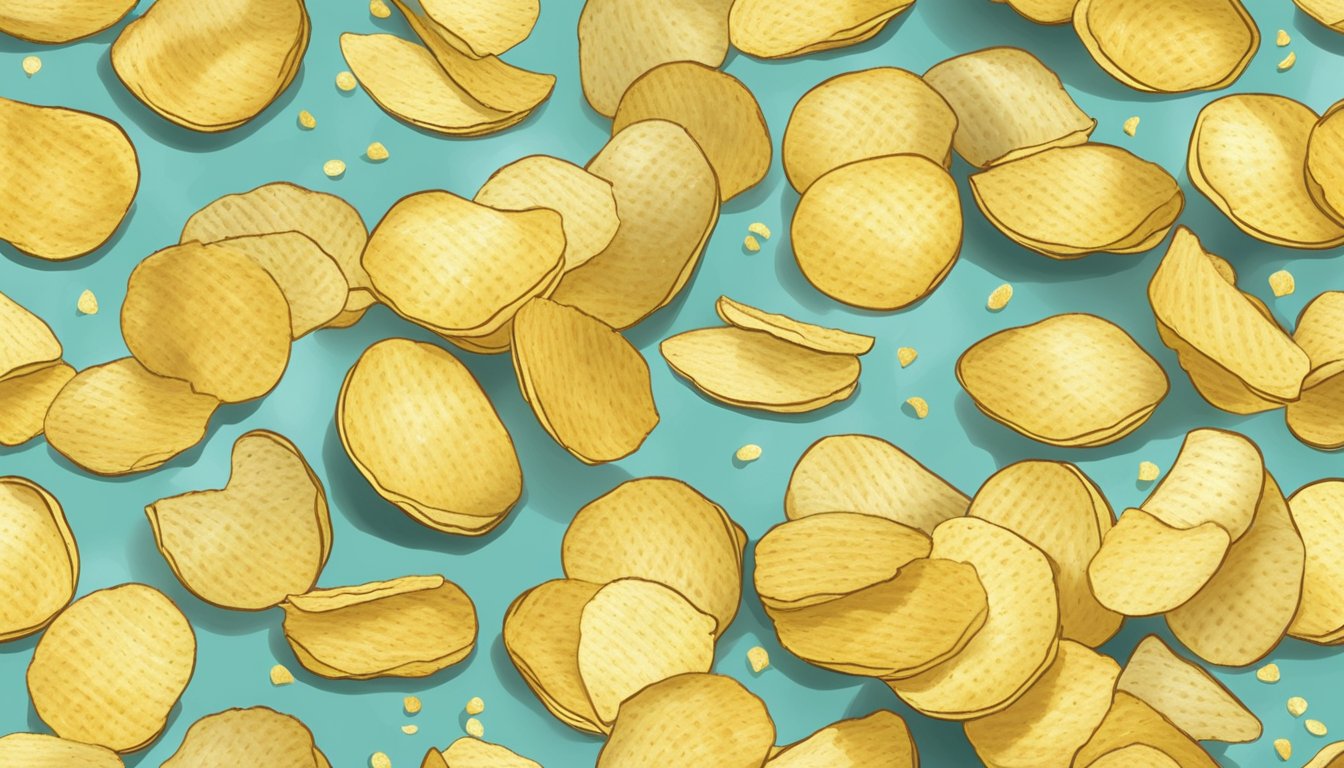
{"x":334,"y":169}
{"x":67,"y":180}
{"x":379,"y":10}
{"x":468,"y":752}
{"x":1187,"y":695}
{"x":31,"y":65}
{"x":1269,"y":673}
{"x":748,"y":453}
{"x":413,"y":626}
{"x":879,"y":740}
{"x":380,"y":760}
{"x":1201,"y":45}
{"x":1325,"y":151}
{"x":758,"y":658}
{"x":376,"y":152}
{"x":1318,"y":513}
{"x":1296,"y":706}
{"x":39,"y":562}
{"x":484,"y":27}
{"x":782,"y":327}
{"x":346,"y":81}
{"x":280,"y":675}
{"x":919,"y":406}
{"x":1131,"y":125}
{"x":61,"y":21}
{"x":87,"y":304}
{"x":306,"y":120}
{"x":1218,"y":477}
{"x":474,"y":728}
{"x":1315,"y":727}
{"x":1148,"y":471}
{"x":1134,"y":756}
{"x":309,"y":279}
{"x":1287,"y":62}
{"x":403,"y":413}
{"x":475,"y":705}
{"x":410,"y":729}
{"x":1282,"y":38}
{"x":999,"y":297}
{"x":25,"y":399}
{"x":772,"y":29}
{"x":1146,"y":567}
{"x":411,"y":705}
{"x":1131,"y":722}
{"x":1281,"y":283}
{"x":906,"y":356}
{"x":257,"y":735}
{"x":758,"y":228}
{"x":1284,"y":749}
{"x":751,"y":244}
{"x":541,"y":637}
{"x":40,"y":750}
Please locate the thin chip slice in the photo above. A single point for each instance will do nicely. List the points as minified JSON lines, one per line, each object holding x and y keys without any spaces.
{"x":879,"y":740}
{"x":1315,"y":419}
{"x":29,"y":343}
{"x":541,"y":636}
{"x":235,"y":737}
{"x":1330,"y":756}
{"x":25,"y":400}
{"x":772,"y":29}
{"x":1191,"y":698}
{"x":820,"y":338}
{"x":1134,"y":756}
{"x":1325,"y":152}
{"x":311,"y":281}
{"x":1318,"y":513}
{"x":1218,"y":477}
{"x":39,"y":562}
{"x":61,"y":21}
{"x":485,"y":27}
{"x":1130,"y":721}
{"x":40,"y":750}
{"x":469,"y":752}
{"x":1146,"y":567}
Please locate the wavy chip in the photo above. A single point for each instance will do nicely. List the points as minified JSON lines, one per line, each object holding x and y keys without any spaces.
{"x":469,"y":752}
{"x":402,"y":414}
{"x":29,"y":344}
{"x":1146,"y":567}
{"x":67,"y":180}
{"x":257,"y":735}
{"x":1131,"y":722}
{"x":1187,"y":695}
{"x":212,"y":66}
{"x":111,"y":667}
{"x":40,"y":750}
{"x":1325,"y":154}
{"x":1134,"y":756}
{"x":25,"y":400}
{"x":541,"y":636}
{"x":1315,"y":418}
{"x":774,"y":29}
{"x":1331,"y":755}
{"x":1318,"y":513}
{"x":61,"y":21}
{"x":310,"y":280}
{"x":822,"y":339}
{"x":879,"y":740}
{"x":39,"y":562}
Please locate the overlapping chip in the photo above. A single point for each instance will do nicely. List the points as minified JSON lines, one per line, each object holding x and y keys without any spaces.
{"x":39,"y":562}
{"x":773,"y":29}
{"x":1317,"y":418}
{"x":1191,"y":698}
{"x":1130,"y":723}
{"x":1325,"y":153}
{"x":309,"y":279}
{"x":25,"y":399}
{"x":250,"y":736}
{"x":485,"y":27}
{"x":879,"y":740}
{"x":29,"y":345}
{"x":469,"y":752}
{"x":1327,"y":12}
{"x":40,"y":750}
{"x":61,"y":21}
{"x":822,"y":339}
{"x":1317,"y":511}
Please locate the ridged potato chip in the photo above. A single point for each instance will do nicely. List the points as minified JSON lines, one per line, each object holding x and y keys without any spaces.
{"x":1218,"y":476}
{"x":111,"y":667}
{"x":1008,"y":105}
{"x":67,"y":180}
{"x":1317,"y":418}
{"x":715,"y":108}
{"x":1187,"y":695}
{"x":29,"y":345}
{"x":40,"y":750}
{"x":118,"y":418}
{"x":411,"y":626}
{"x":820,"y":338}
{"x":774,"y":29}
{"x":879,"y":233}
{"x":879,"y":740}
{"x":541,"y":636}
{"x":39,"y":562}
{"x":1069,"y":202}
{"x":1129,"y":722}
{"x":1069,"y":380}
{"x":588,"y":386}
{"x":485,"y":27}
{"x":310,"y":280}
{"x":212,"y":66}
{"x":1318,"y":513}
{"x":1134,"y":756}
{"x":1325,"y":154}
{"x":25,"y":399}
{"x":61,"y":21}
{"x":1201,"y":45}
{"x":238,"y":737}
{"x":1146,"y":567}
{"x":469,"y":752}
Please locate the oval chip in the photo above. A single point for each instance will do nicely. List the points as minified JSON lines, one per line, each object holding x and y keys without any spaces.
{"x":484,"y":27}
{"x":541,"y":637}
{"x":1318,"y":513}
{"x":773,"y":29}
{"x":832,"y":340}
{"x":39,"y":562}
{"x":61,"y":21}
{"x":238,"y":737}
{"x":879,"y":740}
{"x":40,"y":750}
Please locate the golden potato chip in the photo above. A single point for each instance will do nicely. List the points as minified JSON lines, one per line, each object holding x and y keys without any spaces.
{"x":412,"y":626}
{"x":475,"y":705}
{"x":110,"y":668}
{"x":334,"y":169}
{"x":1315,"y":727}
{"x":280,"y":675}
{"x":1072,"y":201}
{"x":1331,"y":755}
{"x":688,"y":721}
{"x":1318,"y":512}
{"x":39,"y":562}
{"x":236,"y":737}
{"x":1019,"y":639}
{"x":906,"y":355}
{"x":879,"y":233}
{"x":861,"y":473}
{"x":484,"y":27}
{"x":29,"y":343}
{"x":1071,"y":380}
{"x":1296,"y":706}
{"x":1327,"y":12}
{"x":1131,"y":125}
{"x":311,"y":281}
{"x":1191,"y":698}
{"x":1283,"y":748}
{"x":588,"y":386}
{"x":31,"y":65}
{"x":118,"y":418}
{"x":376,"y":152}
{"x":469,"y":752}
{"x":40,"y":750}
{"x":816,"y":337}
{"x":879,"y":740}
{"x":61,"y":21}
{"x":1134,"y":756}
{"x":1148,"y":471}
{"x":773,"y":29}
{"x":1217,"y":477}
{"x":265,"y":536}
{"x":1130,"y":721}
{"x":747,"y":453}
{"x":87,"y":303}
{"x":752,"y":369}
{"x":24,"y":401}
{"x":67,"y":180}
{"x":1146,"y":567}
{"x":1287,"y":62}
{"x":213,"y":66}
{"x":1281,"y":283}
{"x":1247,"y":153}
{"x":999,"y":297}
{"x":1054,"y":718}
{"x":1316,"y":419}
{"x":541,"y":636}
{"x":668,"y":200}
{"x":1008,"y":105}
{"x":1202,"y":45}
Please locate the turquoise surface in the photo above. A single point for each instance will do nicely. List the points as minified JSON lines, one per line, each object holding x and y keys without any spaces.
{"x":183,"y":171}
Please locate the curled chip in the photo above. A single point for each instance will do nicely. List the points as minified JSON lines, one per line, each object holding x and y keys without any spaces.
{"x":753,"y":369}
{"x":773,"y":29}
{"x":668,"y":199}
{"x":715,"y":108}
{"x":1331,"y":14}
{"x":832,"y":340}
{"x":879,"y":740}
{"x":266,"y":535}
{"x":1191,"y":698}
{"x":484,"y":27}
{"x":1325,"y":154}
{"x":880,"y":233}
{"x":418,"y":427}
{"x":1069,"y":202}
{"x":61,"y":21}
{"x":865,"y":114}
{"x":212,"y":67}
{"x":588,"y":386}
{"x":311,"y":281}
{"x":67,"y":180}
{"x":25,"y":400}
{"x":691,"y":720}
{"x":211,"y":316}
{"x":40,"y":750}
{"x":1070,"y":380}
{"x":1318,"y":510}
{"x":29,"y":345}
{"x":1316,"y":419}
{"x":118,"y":418}
{"x":1247,"y":153}
{"x":468,"y":752}
{"x":257,"y":735}
{"x":412,"y":626}
{"x":988,"y":90}
{"x":110,"y":668}
{"x":1201,"y":45}
{"x":39,"y":562}
{"x":1131,"y":722}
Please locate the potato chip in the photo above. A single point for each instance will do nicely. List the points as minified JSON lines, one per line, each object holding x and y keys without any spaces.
{"x":879,"y":740}
{"x":751,"y":244}
{"x":118,"y":418}
{"x":412,"y":626}
{"x":1008,"y":105}
{"x":25,"y":399}
{"x":1281,"y":283}
{"x":758,"y":658}
{"x":816,"y":337}
{"x":1283,"y":748}
{"x":1218,"y":477}
{"x":688,"y":721}
{"x":31,"y":65}
{"x":1269,"y":673}
{"x":1316,"y":511}
{"x":253,"y":52}
{"x":1330,"y":756}
{"x":110,"y":668}
{"x":68,"y":177}
{"x":1071,"y":380}
{"x":334,"y":169}
{"x":752,"y":369}
{"x":1131,"y":125}
{"x":1191,"y":698}
{"x":311,"y":281}
{"x":1042,"y":11}
{"x":906,"y":356}
{"x":1315,"y":418}
{"x":759,"y":228}
{"x":376,"y":152}
{"x":250,"y":736}
{"x":999,"y":297}
{"x":919,"y":406}
{"x":748,"y":453}
{"x":1148,"y":472}
{"x":473,"y":753}
{"x":1287,"y":62}
{"x":541,"y":636}
{"x":1315,"y":727}
{"x":880,"y":233}
{"x":475,"y":706}
{"x":87,"y":303}
{"x":40,"y":750}
{"x":1153,"y":46}
{"x":484,"y":27}
{"x":1327,"y":12}
{"x":39,"y":562}
{"x":402,"y":414}
{"x":280,"y":675}
{"x":773,"y":29}
{"x":61,"y":21}
{"x":1131,"y":721}
{"x":1146,"y":567}
{"x":1134,"y":756}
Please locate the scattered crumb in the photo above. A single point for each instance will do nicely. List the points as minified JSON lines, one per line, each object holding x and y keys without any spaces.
{"x":346,"y":81}
{"x":411,"y":705}
{"x":381,"y":760}
{"x":31,"y":65}
{"x":1268,"y":673}
{"x":306,"y":120}
{"x":757,"y":228}
{"x":475,"y":706}
{"x":334,"y":168}
{"x":1288,"y":62}
{"x":410,"y":729}
{"x":748,"y":452}
{"x":1282,"y":283}
{"x":919,"y":405}
{"x":379,"y":10}
{"x":999,"y":297}
{"x":1297,"y":706}
{"x":906,"y":355}
{"x":759,"y":659}
{"x":751,"y":244}
{"x":474,"y":728}
{"x":1282,"y":38}
{"x":1131,"y":126}
{"x":376,"y":152}
{"x":280,"y":675}
{"x":1148,"y":471}
{"x":1283,"y":748}
{"x":1315,"y":727}
{"x":87,"y":304}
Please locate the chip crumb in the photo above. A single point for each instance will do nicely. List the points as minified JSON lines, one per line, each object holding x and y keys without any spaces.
{"x":1288,"y":62}
{"x":751,"y":244}
{"x":306,"y":120}
{"x":334,"y":168}
{"x":759,"y":659}
{"x":474,"y":728}
{"x":748,"y":452}
{"x":87,"y":304}
{"x":1131,"y":126}
{"x":280,"y":675}
{"x":1268,"y":673}
{"x":919,"y":405}
{"x":1148,"y":471}
{"x":31,"y":65}
{"x":1283,"y":748}
{"x":999,"y":297}
{"x":346,"y":81}
{"x":380,"y":760}
{"x":1282,"y":38}
{"x":1315,"y":727}
{"x":1282,"y":283}
{"x":758,"y":228}
{"x":379,"y":10}
{"x":475,"y":706}
{"x":411,"y":705}
{"x":906,"y":355}
{"x":1297,"y":706}
{"x":410,"y":729}
{"x":376,"y":152}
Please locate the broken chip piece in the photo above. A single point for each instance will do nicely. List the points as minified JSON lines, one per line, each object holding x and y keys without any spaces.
{"x":1282,"y":283}
{"x":758,"y":228}
{"x":999,"y":297}
{"x":1284,"y":749}
{"x":475,"y":705}
{"x":87,"y":303}
{"x":1287,"y":62}
{"x":474,"y":728}
{"x":31,"y":65}
{"x":376,"y":152}
{"x":1148,"y":471}
{"x":62,"y":21}
{"x":773,"y":29}
{"x":1315,"y":727}
{"x":879,"y":739}
{"x":906,"y":356}
{"x":748,"y":453}
{"x":751,"y":244}
{"x":334,"y":169}
{"x":280,"y":675}
{"x":919,"y":405}
{"x":345,"y":80}
{"x":1297,"y":706}
{"x":306,"y":120}
{"x":1131,"y":125}
{"x":758,"y":658}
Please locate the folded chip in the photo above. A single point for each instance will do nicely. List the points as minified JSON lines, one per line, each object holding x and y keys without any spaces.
{"x":1325,"y":156}
{"x":469,"y":752}
{"x":25,"y":400}
{"x":820,"y":338}
{"x":67,"y":179}
{"x":61,"y":21}
{"x":40,"y":750}
{"x":879,"y":740}
{"x":1317,"y":419}
{"x":39,"y":562}
{"x":484,"y":27}
{"x":237,"y":737}
{"x":1318,"y":513}
{"x":1191,"y":698}
{"x":112,"y":666}
{"x":29,"y":344}
{"x":1327,"y":12}
{"x":1130,"y":723}
{"x":212,"y":66}
{"x":773,"y":29}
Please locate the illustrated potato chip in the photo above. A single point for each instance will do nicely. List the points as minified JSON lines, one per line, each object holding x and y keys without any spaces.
{"x":1317,"y":510}
{"x":118,"y":418}
{"x":832,"y":340}
{"x":61,"y":21}
{"x":25,"y":399}
{"x":265,"y":536}
{"x":311,"y":281}
{"x":861,"y":473}
{"x":469,"y":752}
{"x":1202,"y":45}
{"x":1247,"y":153}
{"x":588,"y":386}
{"x":541,"y":636}
{"x":412,"y":626}
{"x":1071,"y":380}
{"x":988,"y":90}
{"x":29,"y":344}
{"x":1146,"y":567}
{"x":1327,"y":12}
{"x":773,"y":29}
{"x":253,"y":52}
{"x":484,"y":27}
{"x":39,"y":562}
{"x":1330,"y":756}
{"x":715,"y":108}
{"x":1116,"y":202}
{"x":690,"y":720}
{"x":403,"y":412}
{"x":880,"y":233}
{"x":1134,"y":756}
{"x":246,"y":737}
{"x":1191,"y":698}
{"x":1218,"y":477}
{"x":751,"y":369}
{"x":1129,"y":722}
{"x":1315,"y":418}
{"x":110,"y":668}
{"x":68,"y":177}
{"x":879,"y":740}
{"x":40,"y":750}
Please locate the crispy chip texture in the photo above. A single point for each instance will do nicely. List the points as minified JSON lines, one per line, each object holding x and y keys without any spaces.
{"x":1218,"y":477}
{"x":309,"y":279}
{"x":879,"y":740}
{"x":1145,"y":567}
{"x":1316,"y":418}
{"x":486,"y":27}
{"x":1130,"y":721}
{"x":541,"y":636}
{"x":1191,"y":698}
{"x":1325,"y":155}
{"x":772,"y":29}
{"x":468,"y":752}
{"x":29,"y":345}
{"x":39,"y":562}
{"x":40,"y":750}
{"x":238,"y":737}
{"x":1318,"y":513}
{"x":1328,"y":12}
{"x":25,"y":399}
{"x":832,"y":340}
{"x":61,"y":21}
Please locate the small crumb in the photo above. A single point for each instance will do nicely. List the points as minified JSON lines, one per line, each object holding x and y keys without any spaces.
{"x":475,"y":706}
{"x":346,"y":81}
{"x":380,"y":760}
{"x":1282,"y":283}
{"x":1148,"y":471}
{"x":474,"y":728}
{"x":1315,"y":727}
{"x":379,"y":10}
{"x":1283,"y":748}
{"x":31,"y":65}
{"x":1297,"y":706}
{"x":1131,"y":126}
{"x":306,"y":120}
{"x":748,"y":452}
{"x":334,"y":168}
{"x":906,"y":355}
{"x":1288,"y":62}
{"x":376,"y":152}
{"x":87,"y":304}
{"x":411,"y":705}
{"x":280,"y":675}
{"x":919,"y":405}
{"x":759,"y":659}
{"x":1000,"y":297}
{"x":1268,"y":673}
{"x":751,"y":244}
{"x":757,"y":228}
{"x":410,"y":729}
{"x":1282,"y":38}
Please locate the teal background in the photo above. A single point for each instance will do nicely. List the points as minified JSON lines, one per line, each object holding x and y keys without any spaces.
{"x":695,"y":441}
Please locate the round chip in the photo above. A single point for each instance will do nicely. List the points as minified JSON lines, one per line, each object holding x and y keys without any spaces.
{"x":40,"y":750}
{"x":1318,"y":513}
{"x":235,"y":737}
{"x":39,"y":562}
{"x":1325,"y":156}
{"x":61,"y":21}
{"x":1187,"y":695}
{"x":832,"y":340}
{"x":310,"y":280}
{"x":772,"y":29}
